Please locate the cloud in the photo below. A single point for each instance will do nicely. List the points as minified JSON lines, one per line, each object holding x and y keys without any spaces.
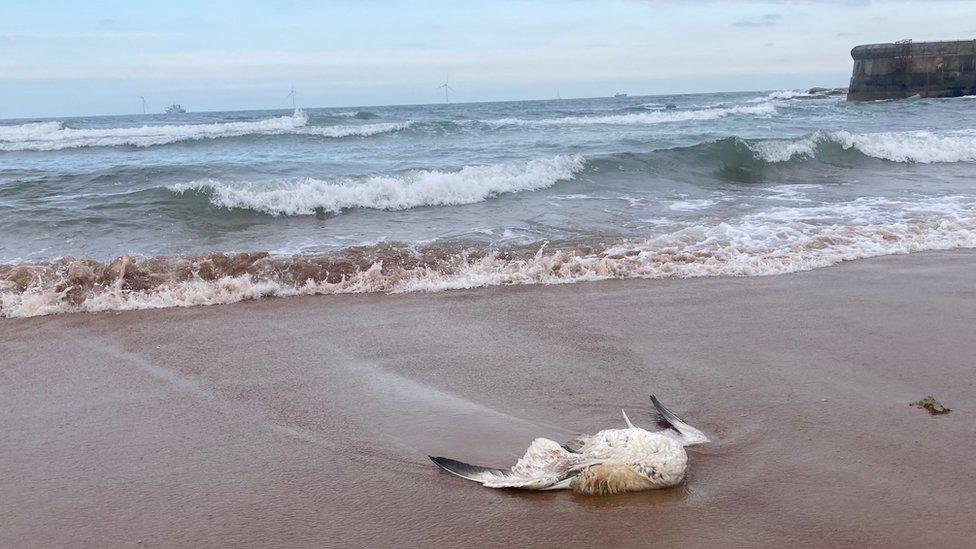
{"x":768,"y":20}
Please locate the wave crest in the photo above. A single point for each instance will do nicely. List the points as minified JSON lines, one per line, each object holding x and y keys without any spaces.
{"x":387,"y":192}
{"x":364,"y":130}
{"x":651,"y":117}
{"x":51,"y":136}
{"x":921,"y":147}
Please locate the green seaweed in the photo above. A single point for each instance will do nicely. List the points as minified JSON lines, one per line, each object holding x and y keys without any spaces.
{"x":933,"y":406}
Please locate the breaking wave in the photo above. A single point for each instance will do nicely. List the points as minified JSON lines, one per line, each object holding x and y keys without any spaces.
{"x":749,"y":160}
{"x":789,"y":95}
{"x":52,"y":136}
{"x":389,"y":191}
{"x":364,"y":130}
{"x":784,"y":95}
{"x":650,"y":117}
{"x":781,"y":240}
{"x":921,"y":147}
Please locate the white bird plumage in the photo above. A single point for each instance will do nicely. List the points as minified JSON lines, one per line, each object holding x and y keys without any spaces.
{"x":609,"y":462}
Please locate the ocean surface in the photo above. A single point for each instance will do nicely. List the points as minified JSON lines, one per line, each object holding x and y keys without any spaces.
{"x":125,"y":212}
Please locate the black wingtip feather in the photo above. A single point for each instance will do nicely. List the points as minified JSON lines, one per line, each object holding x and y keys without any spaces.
{"x":448,"y":464}
{"x":665,"y":415}
{"x":463,"y":470}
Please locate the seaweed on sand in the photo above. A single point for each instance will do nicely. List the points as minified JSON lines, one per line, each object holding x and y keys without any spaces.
{"x":933,"y":406}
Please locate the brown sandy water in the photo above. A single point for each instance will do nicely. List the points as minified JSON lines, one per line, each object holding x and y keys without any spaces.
{"x":307,"y":421}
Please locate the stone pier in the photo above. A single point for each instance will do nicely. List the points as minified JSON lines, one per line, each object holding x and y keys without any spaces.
{"x":905,"y":69}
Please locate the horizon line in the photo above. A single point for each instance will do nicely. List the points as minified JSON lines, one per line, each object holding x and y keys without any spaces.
{"x":431,"y":104}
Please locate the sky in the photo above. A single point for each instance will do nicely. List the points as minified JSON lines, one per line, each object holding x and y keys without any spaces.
{"x":72,"y":58}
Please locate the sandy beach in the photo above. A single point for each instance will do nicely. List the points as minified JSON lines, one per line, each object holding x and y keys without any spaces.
{"x":307,"y":421}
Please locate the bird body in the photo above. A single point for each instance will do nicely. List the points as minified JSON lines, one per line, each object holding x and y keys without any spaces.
{"x":611,"y":461}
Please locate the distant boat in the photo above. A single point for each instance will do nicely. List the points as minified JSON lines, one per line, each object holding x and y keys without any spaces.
{"x":175,"y":108}
{"x":619,"y":95}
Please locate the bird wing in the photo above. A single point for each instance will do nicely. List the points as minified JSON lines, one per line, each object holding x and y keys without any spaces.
{"x":545,"y":466}
{"x":544,"y":481}
{"x":677,"y":429}
{"x":467,"y":471}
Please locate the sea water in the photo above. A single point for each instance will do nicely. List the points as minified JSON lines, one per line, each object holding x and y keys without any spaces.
{"x":126,"y":212}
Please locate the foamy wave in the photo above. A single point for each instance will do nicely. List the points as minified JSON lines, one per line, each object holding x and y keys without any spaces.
{"x":23,"y":132}
{"x":692,"y":205}
{"x":789,"y":94}
{"x":652,"y":117}
{"x":784,"y":150}
{"x":922,"y":146}
{"x":723,"y":250}
{"x":781,"y":240}
{"x":49,"y":136}
{"x":388,"y":192}
{"x":784,"y":95}
{"x":918,"y":146}
{"x":54,"y":136}
{"x":364,"y":130}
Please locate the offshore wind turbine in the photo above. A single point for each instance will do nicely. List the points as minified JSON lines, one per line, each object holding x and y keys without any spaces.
{"x":143,"y":104}
{"x":446,"y":86}
{"x":291,"y":94}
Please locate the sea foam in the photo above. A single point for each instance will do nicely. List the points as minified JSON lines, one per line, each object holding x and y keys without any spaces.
{"x":652,"y":117}
{"x":388,"y":191}
{"x":923,"y":147}
{"x":784,"y":95}
{"x":780,"y":240}
{"x":363,"y":130}
{"x":49,"y":136}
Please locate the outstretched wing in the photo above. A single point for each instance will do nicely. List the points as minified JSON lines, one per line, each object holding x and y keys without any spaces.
{"x":677,"y":429}
{"x":545,"y":466}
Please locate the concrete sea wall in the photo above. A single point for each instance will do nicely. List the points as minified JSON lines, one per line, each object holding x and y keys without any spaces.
{"x":928,"y":69}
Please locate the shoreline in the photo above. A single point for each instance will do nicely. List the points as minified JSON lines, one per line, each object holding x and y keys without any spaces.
{"x":307,"y":420}
{"x":69,"y":285}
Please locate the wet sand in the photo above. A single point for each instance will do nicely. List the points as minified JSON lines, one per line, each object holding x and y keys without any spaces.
{"x":307,"y":421}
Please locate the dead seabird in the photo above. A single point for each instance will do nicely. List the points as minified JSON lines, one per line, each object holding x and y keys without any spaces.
{"x":609,"y":462}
